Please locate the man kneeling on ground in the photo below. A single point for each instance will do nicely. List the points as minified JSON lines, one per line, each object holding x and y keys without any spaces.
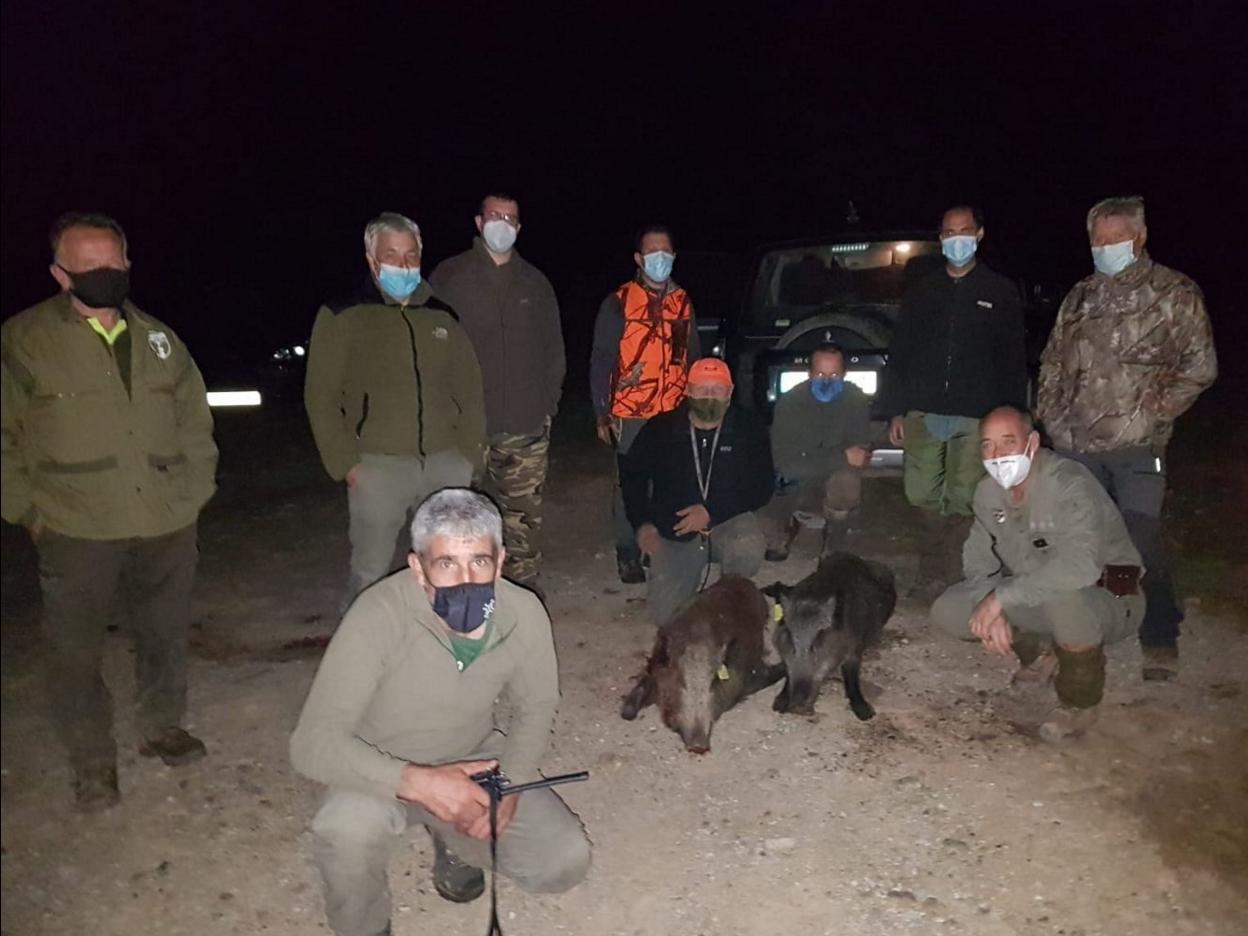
{"x":401,"y":715}
{"x":1051,"y":574}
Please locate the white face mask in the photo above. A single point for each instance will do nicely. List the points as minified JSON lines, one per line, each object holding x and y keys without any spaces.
{"x":1112,"y":259}
{"x":498,"y":235}
{"x":1009,"y":471}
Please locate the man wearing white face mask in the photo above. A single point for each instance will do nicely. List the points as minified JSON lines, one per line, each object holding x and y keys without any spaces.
{"x":1050,"y":572}
{"x":957,"y":352}
{"x":509,"y":310}
{"x":1130,"y":352}
{"x":393,"y":394}
{"x":645,"y":337}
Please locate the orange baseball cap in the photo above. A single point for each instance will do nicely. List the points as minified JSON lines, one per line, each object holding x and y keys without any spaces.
{"x":710,"y":370}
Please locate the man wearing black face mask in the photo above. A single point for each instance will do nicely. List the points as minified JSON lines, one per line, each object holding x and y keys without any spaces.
{"x":819,"y":440}
{"x":108,"y":458}
{"x":692,"y":482}
{"x":401,"y":715}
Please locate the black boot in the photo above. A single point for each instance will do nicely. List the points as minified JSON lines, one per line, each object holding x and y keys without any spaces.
{"x":175,"y":746}
{"x":452,"y":879}
{"x":630,"y":570}
{"x":95,"y":789}
{"x":835,"y":533}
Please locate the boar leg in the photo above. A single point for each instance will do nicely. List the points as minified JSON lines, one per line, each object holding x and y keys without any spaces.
{"x":642,"y":694}
{"x":860,"y":706}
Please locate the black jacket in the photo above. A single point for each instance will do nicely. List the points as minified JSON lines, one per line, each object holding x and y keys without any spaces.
{"x":958,"y":349}
{"x":658,"y":476}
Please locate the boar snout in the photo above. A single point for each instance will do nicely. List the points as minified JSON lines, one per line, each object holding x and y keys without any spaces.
{"x":797,"y":697}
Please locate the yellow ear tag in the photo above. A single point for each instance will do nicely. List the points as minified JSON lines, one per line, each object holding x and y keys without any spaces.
{"x":722,"y":674}
{"x":777,"y":612}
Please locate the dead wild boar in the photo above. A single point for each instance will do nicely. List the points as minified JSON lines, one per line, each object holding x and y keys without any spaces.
{"x":826,"y":620}
{"x":705,"y":660}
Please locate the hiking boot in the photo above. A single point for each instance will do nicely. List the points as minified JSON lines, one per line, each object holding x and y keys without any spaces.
{"x":1067,"y":724}
{"x":1161,"y":663}
{"x":452,"y":879}
{"x":175,"y":746}
{"x":95,"y":789}
{"x":780,"y":552}
{"x":835,"y":535}
{"x":630,"y":570}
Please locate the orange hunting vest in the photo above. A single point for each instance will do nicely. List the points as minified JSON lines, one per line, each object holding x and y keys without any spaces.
{"x":653,"y":363}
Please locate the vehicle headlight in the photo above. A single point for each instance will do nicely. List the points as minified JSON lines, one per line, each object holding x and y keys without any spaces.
{"x":222,"y":398}
{"x":289,"y":353}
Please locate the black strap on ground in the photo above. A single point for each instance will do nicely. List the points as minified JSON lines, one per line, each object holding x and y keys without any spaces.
{"x":497,"y":786}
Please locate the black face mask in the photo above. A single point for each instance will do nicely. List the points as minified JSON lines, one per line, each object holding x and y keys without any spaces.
{"x":464,"y":607}
{"x":101,"y":288}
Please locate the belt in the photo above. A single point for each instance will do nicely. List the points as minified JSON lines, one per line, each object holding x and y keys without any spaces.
{"x":1120,"y":580}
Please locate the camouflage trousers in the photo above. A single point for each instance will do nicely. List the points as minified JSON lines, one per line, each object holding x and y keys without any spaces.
{"x":515,"y":474}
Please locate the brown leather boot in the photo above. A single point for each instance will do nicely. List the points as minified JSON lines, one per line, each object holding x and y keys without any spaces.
{"x":1080,"y":685}
{"x":175,"y":746}
{"x":95,"y":789}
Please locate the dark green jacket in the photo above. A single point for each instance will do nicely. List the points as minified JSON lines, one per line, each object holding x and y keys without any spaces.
{"x":392,"y":380}
{"x":809,"y":438}
{"x":389,"y":691}
{"x":80,"y":454}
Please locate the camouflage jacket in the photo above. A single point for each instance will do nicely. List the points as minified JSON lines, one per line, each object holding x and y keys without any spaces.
{"x":1128,"y":355}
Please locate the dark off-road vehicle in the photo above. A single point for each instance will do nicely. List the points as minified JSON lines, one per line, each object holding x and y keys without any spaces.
{"x":844,"y":288}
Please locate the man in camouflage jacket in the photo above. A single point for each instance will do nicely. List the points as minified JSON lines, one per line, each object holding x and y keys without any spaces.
{"x":1130,"y":352}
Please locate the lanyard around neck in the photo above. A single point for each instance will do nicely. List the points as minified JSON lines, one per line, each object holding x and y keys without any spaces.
{"x":704,"y":484}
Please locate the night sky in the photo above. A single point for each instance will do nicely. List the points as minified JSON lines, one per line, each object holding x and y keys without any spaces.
{"x":244,"y":146}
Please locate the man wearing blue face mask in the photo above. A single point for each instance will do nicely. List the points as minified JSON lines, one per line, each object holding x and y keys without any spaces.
{"x":401,"y":714}
{"x":1130,"y":352}
{"x":957,"y":352}
{"x":645,"y":338}
{"x":394,"y":396}
{"x":819,"y":443}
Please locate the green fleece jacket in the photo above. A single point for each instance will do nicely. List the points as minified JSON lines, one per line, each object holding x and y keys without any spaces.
{"x":392,"y":380}
{"x":389,"y":692}
{"x":1058,"y":540}
{"x":809,"y":438}
{"x":82,"y":455}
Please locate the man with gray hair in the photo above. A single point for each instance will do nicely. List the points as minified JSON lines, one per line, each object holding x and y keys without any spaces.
{"x":394,"y":396}
{"x":1130,"y":352}
{"x":401,"y":715}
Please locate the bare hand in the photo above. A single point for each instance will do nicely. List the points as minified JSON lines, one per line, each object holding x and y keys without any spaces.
{"x":857,"y":456}
{"x":648,"y":539}
{"x":506,"y":810}
{"x":448,"y":792}
{"x":989,"y":624}
{"x":897,"y":430}
{"x":998,"y":637}
{"x":693,"y":519}
{"x":606,"y":430}
{"x":353,"y":476}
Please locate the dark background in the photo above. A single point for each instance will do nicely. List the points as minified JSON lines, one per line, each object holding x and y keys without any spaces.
{"x":244,"y":146}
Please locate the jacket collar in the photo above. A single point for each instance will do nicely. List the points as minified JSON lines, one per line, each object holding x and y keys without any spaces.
{"x":65,"y":309}
{"x":482,"y":253}
{"x":371,"y":294}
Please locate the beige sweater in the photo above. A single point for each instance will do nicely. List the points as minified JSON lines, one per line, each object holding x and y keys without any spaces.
{"x":389,"y":692}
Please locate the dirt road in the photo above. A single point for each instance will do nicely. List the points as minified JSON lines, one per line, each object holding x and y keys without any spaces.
{"x":941,"y":815}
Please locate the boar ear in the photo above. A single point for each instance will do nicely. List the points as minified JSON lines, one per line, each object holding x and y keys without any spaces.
{"x":642,"y":694}
{"x":775,"y":590}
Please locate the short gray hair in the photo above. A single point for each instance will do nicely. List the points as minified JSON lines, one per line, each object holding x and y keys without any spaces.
{"x":459,"y":513}
{"x":1131,"y":206}
{"x":389,"y":221}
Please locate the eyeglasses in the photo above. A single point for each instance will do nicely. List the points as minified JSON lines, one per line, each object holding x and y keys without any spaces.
{"x":496,"y":215}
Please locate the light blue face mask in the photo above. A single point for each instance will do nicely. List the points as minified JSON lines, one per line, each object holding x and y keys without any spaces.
{"x":1112,"y":259}
{"x":826,"y":389}
{"x":959,"y":249}
{"x":658,"y":265}
{"x":398,"y":282}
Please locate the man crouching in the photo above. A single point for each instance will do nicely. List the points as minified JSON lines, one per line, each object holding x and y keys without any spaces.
{"x":401,"y":715}
{"x":1051,"y":574}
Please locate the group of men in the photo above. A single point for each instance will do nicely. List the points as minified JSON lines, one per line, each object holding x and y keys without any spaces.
{"x":417,"y":390}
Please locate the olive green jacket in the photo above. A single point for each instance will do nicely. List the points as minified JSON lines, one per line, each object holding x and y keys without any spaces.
{"x":392,"y":380}
{"x":1058,"y":540}
{"x":81,"y":455}
{"x":389,"y":691}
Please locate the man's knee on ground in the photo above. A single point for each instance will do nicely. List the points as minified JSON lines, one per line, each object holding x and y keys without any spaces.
{"x":951,"y":612}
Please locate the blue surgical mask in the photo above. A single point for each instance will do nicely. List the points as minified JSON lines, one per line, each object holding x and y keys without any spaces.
{"x":1112,"y":259}
{"x":398,"y":282}
{"x":826,"y":389}
{"x":658,"y":265}
{"x":959,"y":249}
{"x":464,"y":607}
